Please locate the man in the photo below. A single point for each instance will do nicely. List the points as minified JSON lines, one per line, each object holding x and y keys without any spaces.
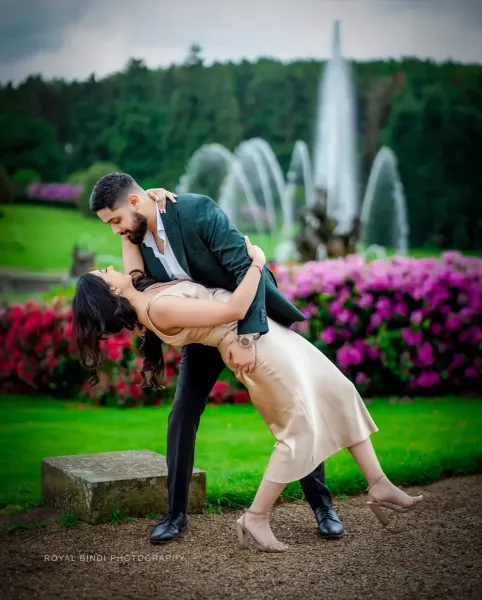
{"x":194,"y":239}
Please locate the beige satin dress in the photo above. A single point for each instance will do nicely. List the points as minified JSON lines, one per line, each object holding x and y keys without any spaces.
{"x":310,"y":407}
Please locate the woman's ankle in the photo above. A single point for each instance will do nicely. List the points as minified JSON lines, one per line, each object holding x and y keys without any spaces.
{"x":377,"y":479}
{"x":260,"y":513}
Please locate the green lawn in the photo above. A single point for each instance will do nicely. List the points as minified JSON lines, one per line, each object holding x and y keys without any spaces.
{"x":417,"y":443}
{"x":41,"y":238}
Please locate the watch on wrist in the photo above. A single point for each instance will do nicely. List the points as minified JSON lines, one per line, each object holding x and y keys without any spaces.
{"x":247,"y":340}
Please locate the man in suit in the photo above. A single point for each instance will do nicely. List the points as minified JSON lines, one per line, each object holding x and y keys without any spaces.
{"x":194,"y":239}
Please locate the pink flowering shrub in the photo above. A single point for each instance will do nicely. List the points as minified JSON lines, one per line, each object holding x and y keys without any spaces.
{"x":54,"y":191}
{"x":37,"y":357}
{"x":400,"y":325}
{"x":397,"y":326}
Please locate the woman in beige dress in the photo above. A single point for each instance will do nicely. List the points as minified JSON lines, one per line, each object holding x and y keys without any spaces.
{"x":310,"y":407}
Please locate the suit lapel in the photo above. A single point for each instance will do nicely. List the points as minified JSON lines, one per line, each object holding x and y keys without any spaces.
{"x":154,"y":265}
{"x":173,"y":232}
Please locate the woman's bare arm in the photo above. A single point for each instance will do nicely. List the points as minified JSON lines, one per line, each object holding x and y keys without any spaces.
{"x":173,"y":312}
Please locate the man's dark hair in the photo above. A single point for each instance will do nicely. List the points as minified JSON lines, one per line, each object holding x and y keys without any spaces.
{"x":109,"y":190}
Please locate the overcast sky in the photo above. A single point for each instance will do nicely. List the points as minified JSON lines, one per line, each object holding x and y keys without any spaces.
{"x":74,"y":38}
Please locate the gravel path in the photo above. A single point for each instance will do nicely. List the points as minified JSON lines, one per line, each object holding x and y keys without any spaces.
{"x":434,"y":552}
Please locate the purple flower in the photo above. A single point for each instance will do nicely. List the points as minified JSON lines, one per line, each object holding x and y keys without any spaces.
{"x":328,"y":335}
{"x":453,"y":322}
{"x":425,"y":355}
{"x":416,"y":317}
{"x":428,"y":379}
{"x":365,"y":301}
{"x":457,"y":362}
{"x":362,"y":379}
{"x":400,"y":309}
{"x":413,"y":338}
{"x":384,"y":308}
{"x":348,"y":355}
{"x":375,"y":321}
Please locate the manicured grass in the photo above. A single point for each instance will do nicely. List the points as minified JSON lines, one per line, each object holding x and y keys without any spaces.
{"x":417,"y":443}
{"x":41,"y":238}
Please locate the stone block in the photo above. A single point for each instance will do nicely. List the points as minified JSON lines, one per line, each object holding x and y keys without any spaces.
{"x":92,"y":486}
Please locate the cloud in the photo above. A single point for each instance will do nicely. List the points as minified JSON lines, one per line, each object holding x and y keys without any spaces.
{"x":30,"y":26}
{"x":100,"y":38}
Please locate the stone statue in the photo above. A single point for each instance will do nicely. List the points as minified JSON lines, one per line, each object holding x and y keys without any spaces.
{"x":81,"y":262}
{"x":317,"y":240}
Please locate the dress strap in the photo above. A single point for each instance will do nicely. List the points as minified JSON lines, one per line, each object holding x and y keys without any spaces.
{"x":151,"y":301}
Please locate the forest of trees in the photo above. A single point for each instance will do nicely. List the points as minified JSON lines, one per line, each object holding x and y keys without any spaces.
{"x":149,"y":122}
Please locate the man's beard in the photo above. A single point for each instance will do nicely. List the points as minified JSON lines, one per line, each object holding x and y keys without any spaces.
{"x":139,"y":229}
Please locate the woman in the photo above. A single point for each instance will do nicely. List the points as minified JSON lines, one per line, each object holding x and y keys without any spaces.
{"x":311,"y":408}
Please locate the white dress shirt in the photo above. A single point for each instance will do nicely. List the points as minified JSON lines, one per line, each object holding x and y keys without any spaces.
{"x":168,"y":259}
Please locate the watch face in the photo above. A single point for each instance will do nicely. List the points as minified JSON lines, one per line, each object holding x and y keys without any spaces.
{"x":244,"y":341}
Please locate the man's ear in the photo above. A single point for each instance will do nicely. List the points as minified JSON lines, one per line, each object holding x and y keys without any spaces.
{"x":134,"y":200}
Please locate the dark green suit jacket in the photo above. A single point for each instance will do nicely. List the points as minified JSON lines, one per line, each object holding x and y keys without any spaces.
{"x":213,"y":252}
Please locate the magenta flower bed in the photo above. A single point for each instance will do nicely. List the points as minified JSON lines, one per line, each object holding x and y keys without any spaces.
{"x":401,"y":325}
{"x":54,"y":191}
{"x":398,"y":326}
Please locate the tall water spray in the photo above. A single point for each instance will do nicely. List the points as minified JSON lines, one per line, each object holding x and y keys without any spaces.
{"x":335,"y":156}
{"x":383,"y":217}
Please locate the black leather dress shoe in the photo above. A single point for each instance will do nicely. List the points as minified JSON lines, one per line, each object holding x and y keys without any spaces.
{"x":169,"y":527}
{"x":329,"y":524}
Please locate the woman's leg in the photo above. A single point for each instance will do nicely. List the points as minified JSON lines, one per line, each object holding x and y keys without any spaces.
{"x":383,"y":489}
{"x":258,"y":525}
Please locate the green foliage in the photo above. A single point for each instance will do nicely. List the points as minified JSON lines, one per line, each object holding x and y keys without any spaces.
{"x":25,"y":177}
{"x":88,"y":179}
{"x":30,"y":142}
{"x":150,"y":121}
{"x":68,"y":520}
{"x":6,"y":189}
{"x":117,"y":517}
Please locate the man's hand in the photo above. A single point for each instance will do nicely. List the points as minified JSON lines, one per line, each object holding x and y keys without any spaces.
{"x":242,"y":358}
{"x":161,"y":196}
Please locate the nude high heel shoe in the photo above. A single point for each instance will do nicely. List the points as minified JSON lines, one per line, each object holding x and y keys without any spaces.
{"x":244,"y":535}
{"x":378,"y":506}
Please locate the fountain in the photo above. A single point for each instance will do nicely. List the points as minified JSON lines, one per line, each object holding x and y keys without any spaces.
{"x":255,"y":194}
{"x":383,"y":216}
{"x":335,"y":160}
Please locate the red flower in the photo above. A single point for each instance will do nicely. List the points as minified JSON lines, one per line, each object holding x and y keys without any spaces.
{"x":169,"y":371}
{"x":51,"y":363}
{"x":241,"y":397}
{"x":135,"y":391}
{"x":121,"y":385}
{"x":221,"y":391}
{"x":68,"y":330}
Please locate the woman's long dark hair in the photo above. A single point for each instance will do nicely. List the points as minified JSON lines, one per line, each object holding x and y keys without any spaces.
{"x":98,"y":313}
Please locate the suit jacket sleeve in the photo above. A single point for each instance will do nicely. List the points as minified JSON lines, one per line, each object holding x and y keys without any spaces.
{"x":227,"y":244}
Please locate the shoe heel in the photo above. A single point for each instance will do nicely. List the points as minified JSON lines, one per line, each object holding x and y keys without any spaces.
{"x":242,"y":536}
{"x":379,"y":513}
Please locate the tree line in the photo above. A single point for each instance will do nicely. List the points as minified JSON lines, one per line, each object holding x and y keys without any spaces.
{"x":148,"y":122}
